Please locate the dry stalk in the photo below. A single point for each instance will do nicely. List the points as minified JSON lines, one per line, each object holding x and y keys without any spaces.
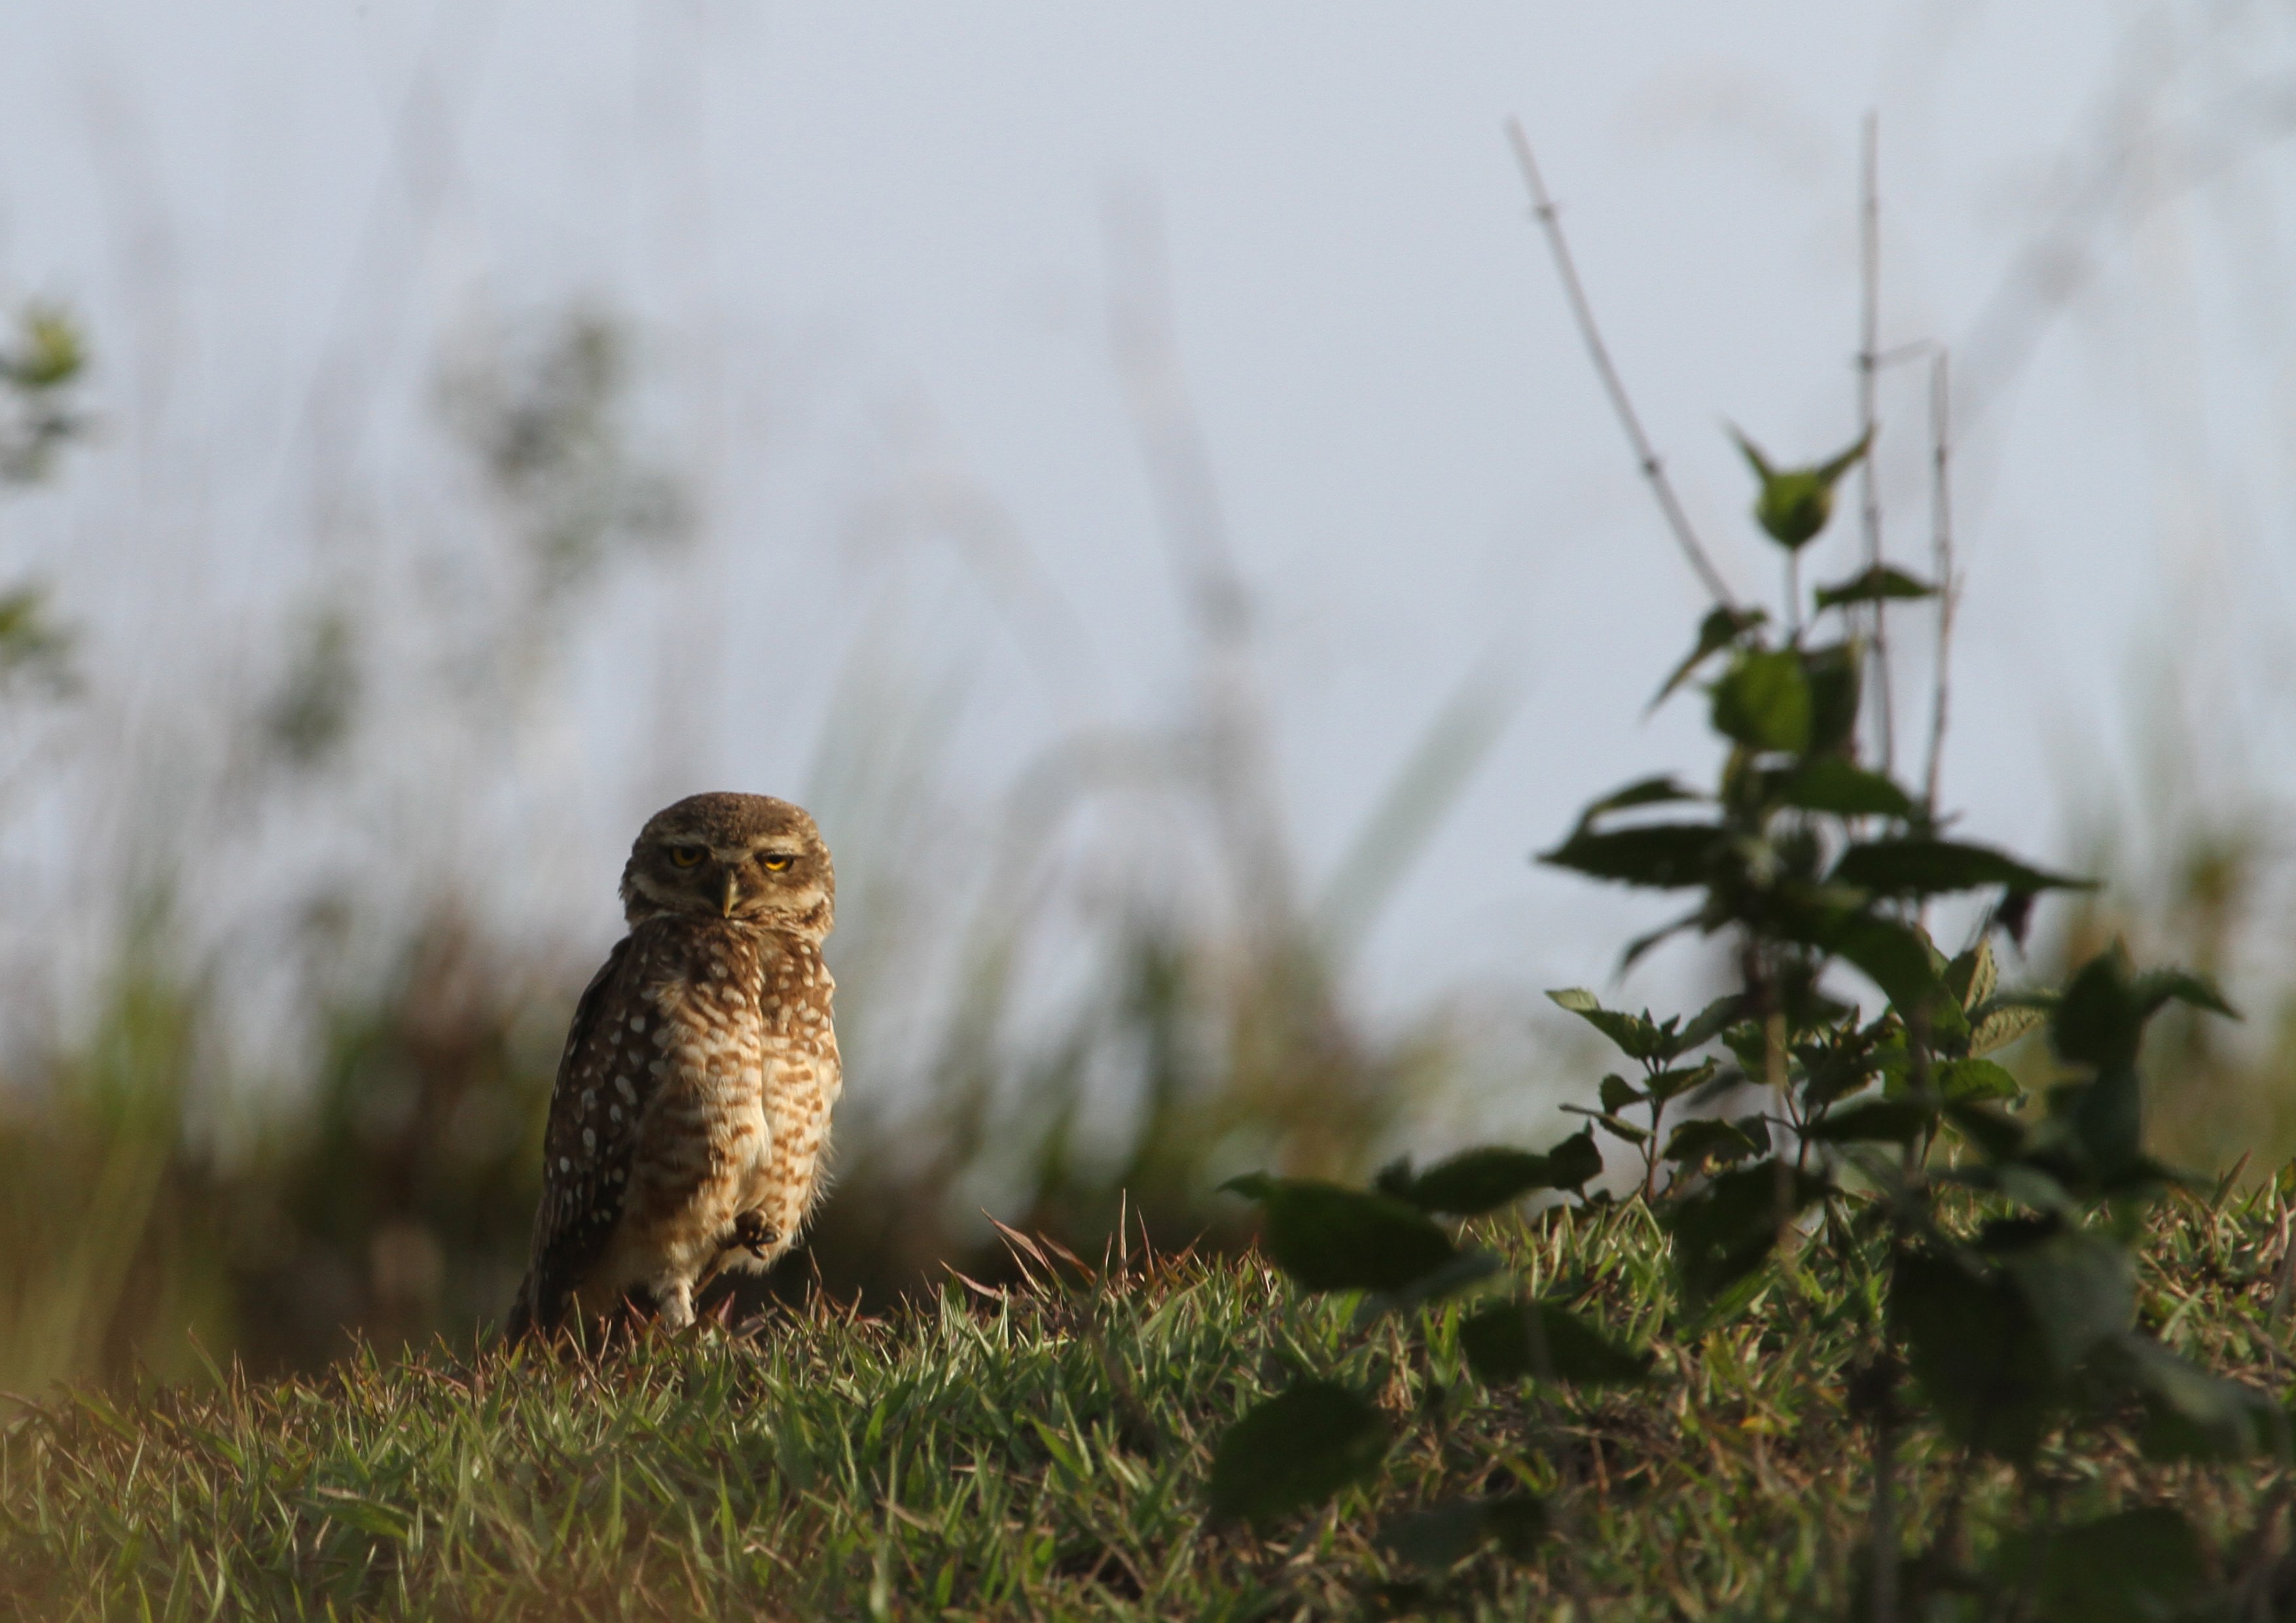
{"x":1543,"y":209}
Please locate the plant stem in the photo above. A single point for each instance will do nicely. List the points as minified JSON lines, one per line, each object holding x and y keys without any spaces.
{"x":1941,"y":541}
{"x":1677,"y":520}
{"x":1774,"y":1064}
{"x":1650,"y":1152}
{"x":1869,"y":363}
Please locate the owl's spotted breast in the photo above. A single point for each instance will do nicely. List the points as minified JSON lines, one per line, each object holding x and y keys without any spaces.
{"x":690,"y":1119}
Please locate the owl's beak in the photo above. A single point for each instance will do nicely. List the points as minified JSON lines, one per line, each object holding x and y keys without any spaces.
{"x":733,"y":892}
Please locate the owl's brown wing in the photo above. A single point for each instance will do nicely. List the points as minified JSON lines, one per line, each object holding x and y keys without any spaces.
{"x":586,"y":1147}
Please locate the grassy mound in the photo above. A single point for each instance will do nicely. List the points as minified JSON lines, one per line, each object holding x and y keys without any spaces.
{"x":1042,"y":1452}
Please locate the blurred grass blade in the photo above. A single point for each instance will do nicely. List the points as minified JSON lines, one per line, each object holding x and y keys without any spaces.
{"x":1418,"y":796}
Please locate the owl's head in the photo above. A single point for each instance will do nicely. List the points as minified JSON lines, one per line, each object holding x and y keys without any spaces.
{"x":733,"y":857}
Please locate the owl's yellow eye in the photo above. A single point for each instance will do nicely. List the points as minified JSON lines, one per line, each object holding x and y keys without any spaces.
{"x":775,"y":864}
{"x":685,"y":856}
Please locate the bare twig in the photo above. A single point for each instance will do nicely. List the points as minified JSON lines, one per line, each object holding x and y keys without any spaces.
{"x":1941,"y":537}
{"x":1543,"y":209}
{"x":1869,"y":343}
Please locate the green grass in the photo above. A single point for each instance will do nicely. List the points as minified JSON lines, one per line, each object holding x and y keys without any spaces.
{"x":1043,"y":1455}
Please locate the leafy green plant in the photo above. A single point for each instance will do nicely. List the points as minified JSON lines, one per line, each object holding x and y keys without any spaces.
{"x":39,"y":416}
{"x":1981,"y":1238}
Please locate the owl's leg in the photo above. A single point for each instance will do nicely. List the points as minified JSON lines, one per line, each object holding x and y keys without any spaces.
{"x":675,"y":1299}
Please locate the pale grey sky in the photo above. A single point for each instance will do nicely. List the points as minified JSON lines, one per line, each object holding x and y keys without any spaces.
{"x":866,"y":248}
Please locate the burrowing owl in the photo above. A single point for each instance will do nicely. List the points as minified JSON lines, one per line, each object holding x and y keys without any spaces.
{"x":690,"y":1113}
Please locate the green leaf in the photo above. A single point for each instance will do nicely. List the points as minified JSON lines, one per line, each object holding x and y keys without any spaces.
{"x":1795,"y":504}
{"x":1657,"y":857}
{"x":1972,"y":975}
{"x":1830,"y":784}
{"x":1835,"y":1069}
{"x":1642,"y":791}
{"x":1575,"y":1160}
{"x":1680,"y":1079}
{"x":2155,"y":987}
{"x":1834,"y":673}
{"x":1895,"y":957}
{"x":1963,"y":1080}
{"x":2081,"y":1289}
{"x":1715,"y":632}
{"x":1443,"y":1536}
{"x":1997,"y":1137}
{"x":1467,"y":1268}
{"x":1748,"y":1046}
{"x":1973,"y":1344}
{"x":1477,"y":1180}
{"x":1294,"y":1450}
{"x":1618,"y":1126}
{"x":1509,"y":1340}
{"x":1328,"y":1238}
{"x":1641,"y":944}
{"x":2100,"y":1019}
{"x":1895,"y":1122}
{"x":1999,"y":1021}
{"x":2190,"y":1414}
{"x":1876,"y":585}
{"x":2027,"y":1185}
{"x":29,"y":638}
{"x":1763,"y":701}
{"x":1618,"y":1093}
{"x":1726,"y":1230}
{"x":2107,"y":1115}
{"x":1695,"y":1143}
{"x":1934,"y":867}
{"x":50,"y":352}
{"x":2141,"y":1566}
{"x":1637,"y":1036}
{"x":1708,"y":1024}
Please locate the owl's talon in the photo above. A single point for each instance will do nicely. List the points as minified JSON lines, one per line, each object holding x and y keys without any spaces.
{"x":752,"y":1234}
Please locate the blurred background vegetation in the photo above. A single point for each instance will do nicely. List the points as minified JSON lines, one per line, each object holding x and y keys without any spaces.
{"x":172,"y":1192}
{"x":1140,"y":989}
{"x":282,"y":1085}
